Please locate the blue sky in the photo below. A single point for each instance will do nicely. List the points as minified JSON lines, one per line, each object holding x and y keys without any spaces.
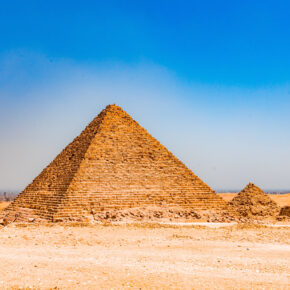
{"x":209,"y":79}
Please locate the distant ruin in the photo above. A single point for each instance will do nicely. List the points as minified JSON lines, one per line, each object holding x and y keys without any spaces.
{"x":113,"y":164}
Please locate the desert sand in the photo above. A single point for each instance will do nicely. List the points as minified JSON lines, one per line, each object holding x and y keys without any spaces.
{"x":144,"y":256}
{"x":3,"y":204}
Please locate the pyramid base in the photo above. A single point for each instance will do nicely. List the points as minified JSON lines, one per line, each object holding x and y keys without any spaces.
{"x":148,"y":213}
{"x":21,"y":214}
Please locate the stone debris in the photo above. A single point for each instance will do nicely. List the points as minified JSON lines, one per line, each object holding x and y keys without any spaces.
{"x":4,"y":222}
{"x":149,"y":213}
{"x":155,"y":213}
{"x":113,"y":165}
{"x":253,"y":202}
{"x":285,"y":211}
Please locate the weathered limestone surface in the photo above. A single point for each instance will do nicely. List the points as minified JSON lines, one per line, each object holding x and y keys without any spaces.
{"x":285,"y":211}
{"x":113,"y":164}
{"x":252,"y":201}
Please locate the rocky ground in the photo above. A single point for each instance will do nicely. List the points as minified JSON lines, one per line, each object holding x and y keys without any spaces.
{"x":3,"y":204}
{"x":144,"y":256}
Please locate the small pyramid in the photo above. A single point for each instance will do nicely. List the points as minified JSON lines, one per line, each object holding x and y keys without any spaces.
{"x":113,"y":164}
{"x":253,"y":201}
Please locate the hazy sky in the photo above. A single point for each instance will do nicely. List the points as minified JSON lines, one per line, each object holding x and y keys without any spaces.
{"x":209,"y":79}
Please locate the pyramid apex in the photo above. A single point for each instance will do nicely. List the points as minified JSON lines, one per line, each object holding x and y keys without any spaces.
{"x":251,"y":185}
{"x":113,"y":106}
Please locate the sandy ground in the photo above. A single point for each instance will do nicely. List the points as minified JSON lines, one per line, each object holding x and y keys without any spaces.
{"x":144,"y":257}
{"x":281,"y":199}
{"x":3,"y":204}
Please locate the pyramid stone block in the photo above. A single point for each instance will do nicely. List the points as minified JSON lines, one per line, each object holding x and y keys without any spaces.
{"x":113,"y":164}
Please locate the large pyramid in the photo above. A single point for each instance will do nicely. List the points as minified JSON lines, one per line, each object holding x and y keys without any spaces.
{"x":253,"y":201}
{"x":113,"y":164}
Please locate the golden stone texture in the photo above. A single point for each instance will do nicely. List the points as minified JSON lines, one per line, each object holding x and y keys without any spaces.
{"x":253,"y":201}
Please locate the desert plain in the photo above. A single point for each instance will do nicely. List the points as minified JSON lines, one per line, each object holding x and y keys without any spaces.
{"x":145,"y":256}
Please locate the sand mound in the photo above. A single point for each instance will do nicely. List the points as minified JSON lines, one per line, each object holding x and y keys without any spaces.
{"x":253,"y":202}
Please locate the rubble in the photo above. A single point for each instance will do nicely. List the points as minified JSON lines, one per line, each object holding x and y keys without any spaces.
{"x":4,"y":222}
{"x":285,"y":211}
{"x":252,"y":202}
